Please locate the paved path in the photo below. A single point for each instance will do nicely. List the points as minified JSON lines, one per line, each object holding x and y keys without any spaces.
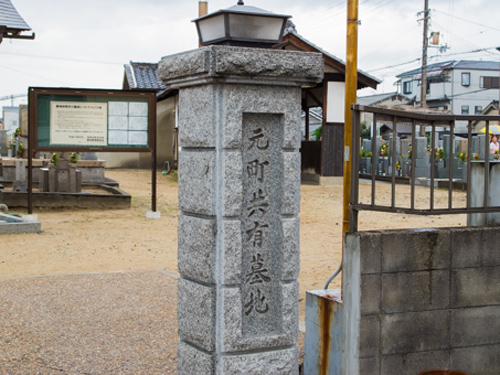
{"x":95,"y":324}
{"x":103,"y":323}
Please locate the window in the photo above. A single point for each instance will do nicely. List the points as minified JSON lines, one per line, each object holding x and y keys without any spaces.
{"x":407,"y":87}
{"x":489,"y":83}
{"x":465,"y":110}
{"x":478,"y":109}
{"x":465,"y":79}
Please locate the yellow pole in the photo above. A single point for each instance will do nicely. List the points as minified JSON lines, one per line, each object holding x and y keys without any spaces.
{"x":202,"y":11}
{"x":351,"y":83}
{"x":202,"y":8}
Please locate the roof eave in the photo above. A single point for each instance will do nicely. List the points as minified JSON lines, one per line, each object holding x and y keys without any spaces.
{"x":305,"y":45}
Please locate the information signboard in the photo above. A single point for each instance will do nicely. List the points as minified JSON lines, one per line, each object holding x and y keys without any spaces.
{"x":87,"y":120}
{"x":92,"y":120}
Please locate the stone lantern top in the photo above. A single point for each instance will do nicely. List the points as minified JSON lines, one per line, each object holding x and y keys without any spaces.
{"x":242,"y":65}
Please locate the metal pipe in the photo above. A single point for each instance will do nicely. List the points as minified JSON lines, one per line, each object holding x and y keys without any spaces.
{"x":374,"y":156}
{"x":393,"y":161}
{"x":433,"y":163}
{"x":333,"y":276}
{"x":450,"y":163}
{"x":413,"y":163}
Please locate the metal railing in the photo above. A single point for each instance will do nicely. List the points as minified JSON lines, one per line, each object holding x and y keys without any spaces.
{"x":417,"y":120}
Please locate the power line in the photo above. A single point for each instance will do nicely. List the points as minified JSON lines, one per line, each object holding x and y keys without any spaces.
{"x":466,"y":20}
{"x":30,"y":74}
{"x":341,"y":3}
{"x":473,"y":92}
{"x":379,"y":5}
{"x":431,"y":57}
{"x":60,"y":58}
{"x":394,"y":66}
{"x":326,"y":16}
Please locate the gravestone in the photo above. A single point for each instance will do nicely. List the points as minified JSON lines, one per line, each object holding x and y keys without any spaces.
{"x":378,"y":160}
{"x":63,"y":178}
{"x":367,"y":145}
{"x":367,"y":163}
{"x":239,"y":196}
{"x":446,"y":147}
{"x":437,"y":142}
{"x":20,"y":184}
{"x":422,"y":167}
{"x":405,"y":147}
{"x":462,"y":146}
{"x":442,"y":167}
{"x":4,"y":143}
{"x":480,"y":146}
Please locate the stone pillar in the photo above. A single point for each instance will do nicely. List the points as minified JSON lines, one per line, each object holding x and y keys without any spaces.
{"x":239,"y":192}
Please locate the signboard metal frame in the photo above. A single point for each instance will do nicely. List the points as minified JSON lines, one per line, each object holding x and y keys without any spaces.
{"x":99,"y":96}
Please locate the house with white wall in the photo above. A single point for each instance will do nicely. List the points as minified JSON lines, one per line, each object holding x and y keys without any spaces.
{"x":464,"y":87}
{"x":10,"y":119}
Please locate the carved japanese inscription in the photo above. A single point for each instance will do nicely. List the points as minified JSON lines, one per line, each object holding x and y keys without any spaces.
{"x":261,"y":224}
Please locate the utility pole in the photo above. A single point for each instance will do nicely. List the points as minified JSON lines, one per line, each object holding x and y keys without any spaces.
{"x":423,"y":95}
{"x":423,"y":85}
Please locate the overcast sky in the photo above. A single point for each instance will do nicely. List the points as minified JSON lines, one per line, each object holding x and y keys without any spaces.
{"x":84,"y":43}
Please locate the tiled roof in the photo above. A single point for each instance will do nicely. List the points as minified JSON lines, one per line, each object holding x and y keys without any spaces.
{"x":374,"y":99}
{"x":477,"y":65}
{"x":10,"y":17}
{"x":461,"y":64}
{"x":430,"y":68}
{"x":291,"y":30}
{"x":143,"y":76}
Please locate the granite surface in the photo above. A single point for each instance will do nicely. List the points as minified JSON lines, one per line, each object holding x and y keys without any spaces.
{"x":222,"y":63}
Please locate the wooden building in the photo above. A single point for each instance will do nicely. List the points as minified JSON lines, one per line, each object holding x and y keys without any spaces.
{"x":322,"y":161}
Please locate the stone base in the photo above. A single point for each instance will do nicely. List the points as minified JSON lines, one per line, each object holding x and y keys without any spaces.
{"x":278,"y":362}
{"x":20,"y":186}
{"x":116,"y":199}
{"x":92,"y":170}
{"x":12,"y":224}
{"x":316,"y":179}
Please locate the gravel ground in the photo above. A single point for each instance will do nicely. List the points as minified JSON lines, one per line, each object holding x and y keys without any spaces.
{"x":97,"y":323}
{"x":106,"y":323}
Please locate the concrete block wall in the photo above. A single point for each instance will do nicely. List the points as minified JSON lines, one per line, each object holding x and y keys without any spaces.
{"x":422,"y":299}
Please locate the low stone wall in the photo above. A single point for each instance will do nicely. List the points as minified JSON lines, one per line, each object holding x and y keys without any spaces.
{"x":421,"y":299}
{"x":92,"y":170}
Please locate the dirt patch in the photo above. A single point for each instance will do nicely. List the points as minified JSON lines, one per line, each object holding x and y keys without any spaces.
{"x":77,"y":241}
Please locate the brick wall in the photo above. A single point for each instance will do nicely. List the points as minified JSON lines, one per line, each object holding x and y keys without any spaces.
{"x":422,"y":299}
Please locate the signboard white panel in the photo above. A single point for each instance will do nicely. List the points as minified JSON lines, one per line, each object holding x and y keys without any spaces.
{"x":78,"y":123}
